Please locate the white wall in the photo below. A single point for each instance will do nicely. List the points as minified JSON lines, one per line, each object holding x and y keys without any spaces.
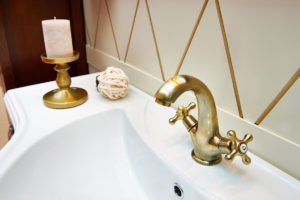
{"x":264,"y":42}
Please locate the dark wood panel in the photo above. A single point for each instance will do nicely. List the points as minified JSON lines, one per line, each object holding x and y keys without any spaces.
{"x":23,"y":30}
{"x":5,"y":63}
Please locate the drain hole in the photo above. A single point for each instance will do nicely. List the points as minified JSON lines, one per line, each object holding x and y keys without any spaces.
{"x":178,"y":191}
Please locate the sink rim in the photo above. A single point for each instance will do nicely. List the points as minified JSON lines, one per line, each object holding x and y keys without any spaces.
{"x":136,"y":101}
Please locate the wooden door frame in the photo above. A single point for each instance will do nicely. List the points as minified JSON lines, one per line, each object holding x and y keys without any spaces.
{"x":5,"y":63}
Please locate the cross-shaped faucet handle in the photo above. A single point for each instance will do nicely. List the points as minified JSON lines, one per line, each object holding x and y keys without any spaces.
{"x":182,"y":112}
{"x":239,"y":147}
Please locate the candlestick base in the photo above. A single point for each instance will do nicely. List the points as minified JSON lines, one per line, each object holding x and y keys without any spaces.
{"x":65,"y":96}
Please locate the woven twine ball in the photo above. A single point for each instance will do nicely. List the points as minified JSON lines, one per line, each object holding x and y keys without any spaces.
{"x":112,"y":83}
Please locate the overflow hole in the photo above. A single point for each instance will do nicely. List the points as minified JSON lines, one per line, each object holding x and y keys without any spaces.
{"x":178,"y":190}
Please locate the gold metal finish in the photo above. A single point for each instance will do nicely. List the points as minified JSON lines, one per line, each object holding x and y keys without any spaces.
{"x":64,"y":96}
{"x":239,"y":147}
{"x":209,"y":145}
{"x":183,"y":114}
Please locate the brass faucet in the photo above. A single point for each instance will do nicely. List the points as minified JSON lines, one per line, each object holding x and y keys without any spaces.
{"x":209,"y":145}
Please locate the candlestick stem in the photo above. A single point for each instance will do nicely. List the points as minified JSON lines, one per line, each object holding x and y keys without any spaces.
{"x":65,"y":96}
{"x":63,"y":79}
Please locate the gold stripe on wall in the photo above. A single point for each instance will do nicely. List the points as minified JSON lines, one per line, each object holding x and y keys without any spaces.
{"x":283,"y":91}
{"x":155,"y":42}
{"x":97,"y":23}
{"x":236,"y":92}
{"x":191,"y":36}
{"x":87,"y":31}
{"x":131,"y":30}
{"x":112,"y":29}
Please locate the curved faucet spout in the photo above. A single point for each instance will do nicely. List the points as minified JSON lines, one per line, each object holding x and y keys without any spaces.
{"x":209,"y":145}
{"x":207,"y":114}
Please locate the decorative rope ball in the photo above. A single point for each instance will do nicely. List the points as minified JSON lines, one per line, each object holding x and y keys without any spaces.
{"x":112,"y":83}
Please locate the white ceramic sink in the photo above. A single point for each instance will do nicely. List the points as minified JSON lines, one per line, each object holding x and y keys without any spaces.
{"x":83,"y":160}
{"x":118,"y":150}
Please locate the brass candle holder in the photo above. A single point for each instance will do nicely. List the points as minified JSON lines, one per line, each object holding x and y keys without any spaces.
{"x":65,"y":96}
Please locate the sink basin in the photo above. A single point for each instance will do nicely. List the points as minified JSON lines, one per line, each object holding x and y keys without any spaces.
{"x":86,"y":159}
{"x":121,"y":149}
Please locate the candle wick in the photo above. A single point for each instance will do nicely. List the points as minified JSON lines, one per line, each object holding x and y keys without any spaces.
{"x":54,"y":17}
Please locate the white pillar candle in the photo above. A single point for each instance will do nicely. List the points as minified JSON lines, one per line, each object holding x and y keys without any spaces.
{"x":57,"y":38}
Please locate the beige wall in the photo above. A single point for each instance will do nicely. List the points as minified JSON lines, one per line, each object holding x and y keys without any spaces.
{"x":263,"y":38}
{"x":4,"y":123}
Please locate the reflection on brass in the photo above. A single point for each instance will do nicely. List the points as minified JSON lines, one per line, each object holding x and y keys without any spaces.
{"x":64,"y":96}
{"x":209,"y":145}
{"x":239,"y":147}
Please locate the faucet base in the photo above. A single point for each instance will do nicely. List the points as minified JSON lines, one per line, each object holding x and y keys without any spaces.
{"x":206,"y":162}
